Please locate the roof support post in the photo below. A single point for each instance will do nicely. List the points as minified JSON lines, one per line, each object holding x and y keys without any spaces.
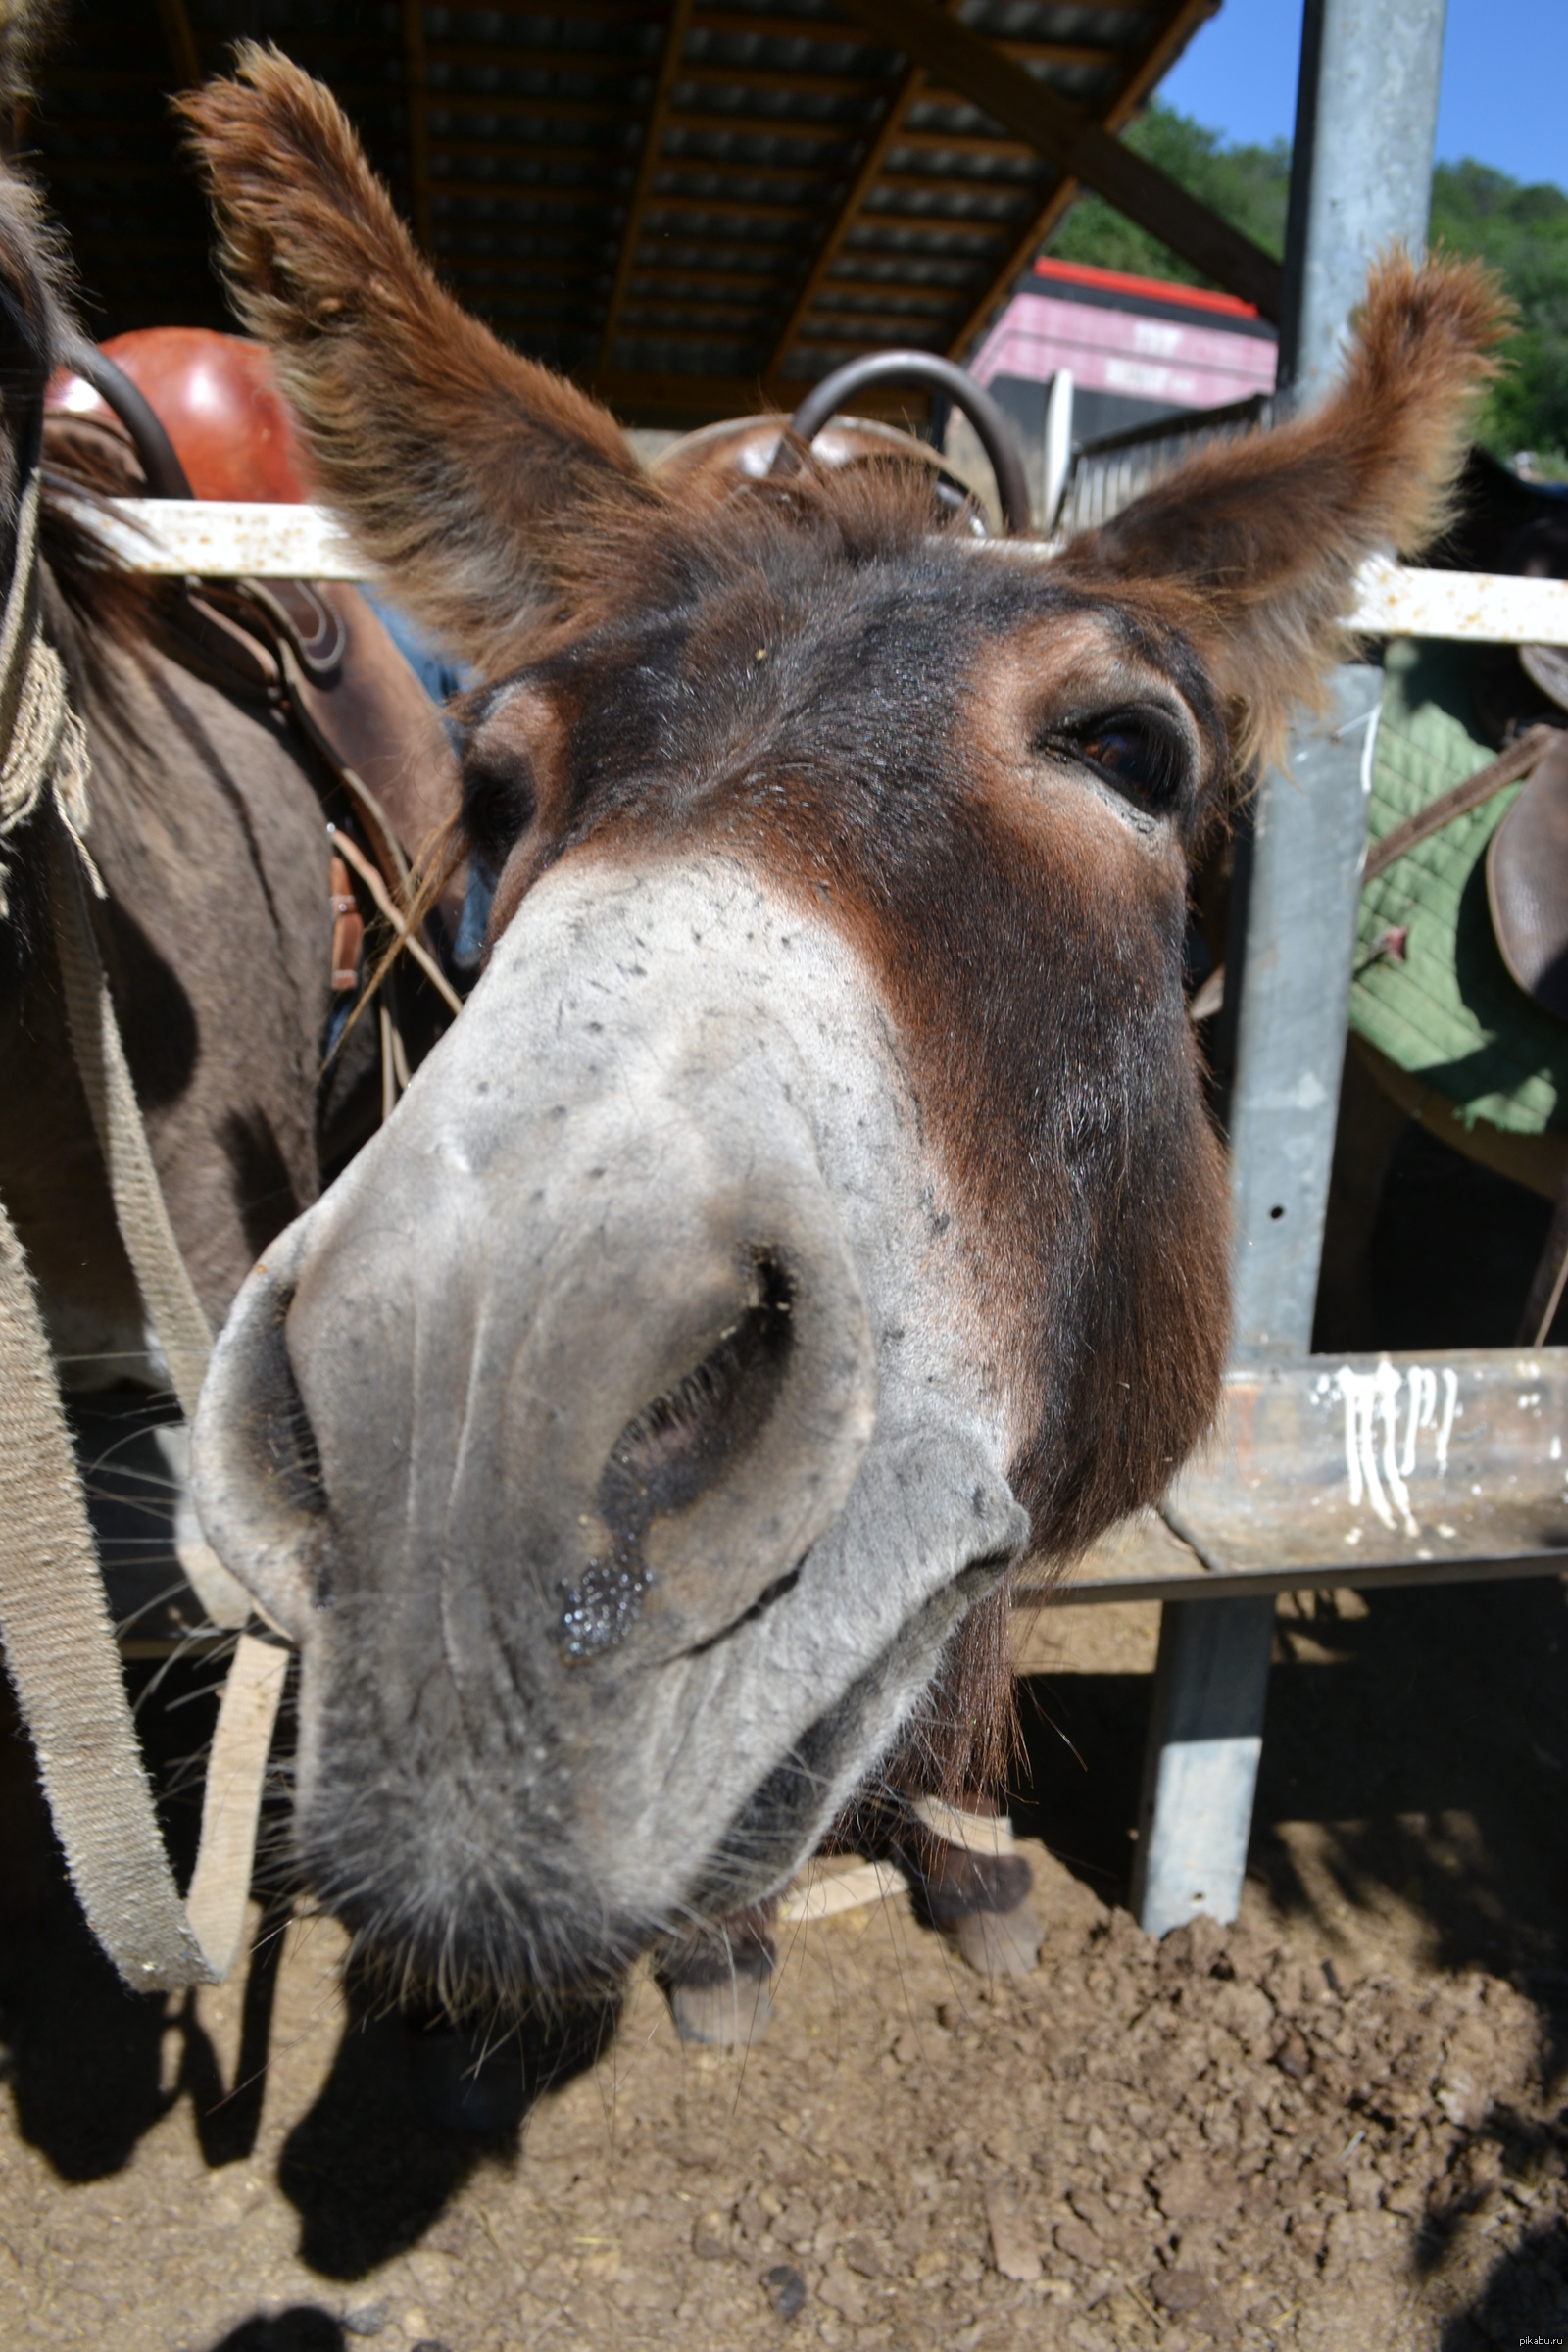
{"x":1366,"y":129}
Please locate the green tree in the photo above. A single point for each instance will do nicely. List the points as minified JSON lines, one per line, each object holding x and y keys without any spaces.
{"x":1521,"y":231}
{"x":1247,"y":185}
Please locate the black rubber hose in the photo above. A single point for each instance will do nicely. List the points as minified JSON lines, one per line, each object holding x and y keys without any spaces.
{"x":159,"y":459}
{"x":924,"y":367}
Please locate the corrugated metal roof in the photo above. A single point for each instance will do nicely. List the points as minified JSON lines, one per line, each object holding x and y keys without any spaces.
{"x":696,"y":208}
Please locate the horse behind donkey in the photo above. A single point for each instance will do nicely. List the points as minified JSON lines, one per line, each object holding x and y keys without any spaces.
{"x":204,"y":810}
{"x":815,"y":1210}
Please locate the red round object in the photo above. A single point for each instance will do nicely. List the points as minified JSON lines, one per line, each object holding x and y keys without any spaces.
{"x":216,"y":399}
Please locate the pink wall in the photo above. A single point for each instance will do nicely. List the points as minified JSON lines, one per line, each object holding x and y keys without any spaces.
{"x":1114,"y":351}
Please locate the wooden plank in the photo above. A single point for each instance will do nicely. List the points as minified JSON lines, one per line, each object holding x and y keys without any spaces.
{"x":517,"y":105}
{"x":1356,"y":1472}
{"x":744,"y":281}
{"x":1079,"y":146}
{"x":176,"y":536}
{"x":1121,"y":1569}
{"x":843,"y":220}
{"x":931,"y":224}
{"x":792,"y":84}
{"x":726,"y":208}
{"x":766,"y":126}
{"x":1151,"y":66}
{"x":824,"y":31}
{"x":514,"y":151}
{"x":955,"y":142}
{"x":680,"y":15}
{"x":591,"y":65}
{"x":948,"y":183}
{"x":1483,"y":608}
{"x":930,"y":297}
{"x":522,"y":191}
{"x":725,"y":167}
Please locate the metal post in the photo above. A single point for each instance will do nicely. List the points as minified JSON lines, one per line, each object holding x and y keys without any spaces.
{"x":1362,"y":176}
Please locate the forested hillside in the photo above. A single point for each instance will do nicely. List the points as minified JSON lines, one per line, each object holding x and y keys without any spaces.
{"x":1523,"y":232}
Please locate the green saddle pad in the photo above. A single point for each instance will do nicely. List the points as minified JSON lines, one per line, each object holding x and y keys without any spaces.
{"x":1449,"y":1014}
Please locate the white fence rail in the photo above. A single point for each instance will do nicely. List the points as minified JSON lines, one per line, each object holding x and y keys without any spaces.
{"x":228,"y":538}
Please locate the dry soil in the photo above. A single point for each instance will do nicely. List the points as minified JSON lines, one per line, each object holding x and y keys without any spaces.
{"x":1340,"y":2125}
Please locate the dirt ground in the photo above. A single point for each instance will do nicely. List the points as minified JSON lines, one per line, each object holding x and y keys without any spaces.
{"x":1341,"y":2124}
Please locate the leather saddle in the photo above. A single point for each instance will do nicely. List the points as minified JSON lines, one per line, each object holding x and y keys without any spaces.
{"x":203,"y":418}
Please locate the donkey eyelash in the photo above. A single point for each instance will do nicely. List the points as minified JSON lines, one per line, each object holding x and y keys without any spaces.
{"x":1138,"y":753}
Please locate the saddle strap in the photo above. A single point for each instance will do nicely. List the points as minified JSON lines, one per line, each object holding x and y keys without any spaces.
{"x":54,"y":1616}
{"x":61,"y":1654}
{"x":1508,"y":769}
{"x":167,"y":1290}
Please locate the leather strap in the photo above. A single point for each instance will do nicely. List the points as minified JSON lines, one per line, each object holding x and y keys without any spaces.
{"x":1508,"y":769}
{"x":54,"y":1617}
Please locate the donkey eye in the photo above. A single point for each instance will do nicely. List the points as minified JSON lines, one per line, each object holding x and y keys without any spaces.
{"x":498,"y":799}
{"x":1139,"y":751}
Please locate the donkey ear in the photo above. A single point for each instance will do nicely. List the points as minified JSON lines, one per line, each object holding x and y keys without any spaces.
{"x":1256,"y":543}
{"x":470,"y":478}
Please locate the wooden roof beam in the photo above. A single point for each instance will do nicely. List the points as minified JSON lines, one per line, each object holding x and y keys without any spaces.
{"x":1151,"y":69}
{"x":680,"y":16}
{"x":1080,"y":147}
{"x":829,"y":251}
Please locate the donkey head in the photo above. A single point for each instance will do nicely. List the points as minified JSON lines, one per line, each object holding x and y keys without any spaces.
{"x":814,"y":1205}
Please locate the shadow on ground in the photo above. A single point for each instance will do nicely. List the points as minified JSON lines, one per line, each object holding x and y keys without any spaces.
{"x":304,"y":2328}
{"x":84,"y":2057}
{"x":408,"y":2111}
{"x":1427,"y":1736}
{"x":1525,"y":2300}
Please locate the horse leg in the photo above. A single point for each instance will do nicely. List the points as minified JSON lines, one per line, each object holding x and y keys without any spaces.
{"x":716,"y":1979}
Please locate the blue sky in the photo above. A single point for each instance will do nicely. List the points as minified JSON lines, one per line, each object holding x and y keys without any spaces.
{"x":1504,"y":81}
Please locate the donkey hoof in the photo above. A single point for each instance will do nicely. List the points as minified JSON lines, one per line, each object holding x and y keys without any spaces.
{"x":1000,"y":1943}
{"x":727,"y":2016}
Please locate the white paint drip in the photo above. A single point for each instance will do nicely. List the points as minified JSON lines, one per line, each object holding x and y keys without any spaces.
{"x":1423,"y":1413}
{"x":1372,"y":1403}
{"x":1389,"y":1385}
{"x":1450,"y":1404}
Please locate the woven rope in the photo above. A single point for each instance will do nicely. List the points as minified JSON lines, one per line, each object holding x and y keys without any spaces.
{"x":54,"y":1618}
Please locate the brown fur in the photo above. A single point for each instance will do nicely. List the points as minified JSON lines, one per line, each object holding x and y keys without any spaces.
{"x":1252,"y":546}
{"x":807,"y":677}
{"x":447,"y":474}
{"x":208,"y":832}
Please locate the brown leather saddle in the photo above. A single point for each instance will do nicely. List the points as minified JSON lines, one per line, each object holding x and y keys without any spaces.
{"x":183,"y":412}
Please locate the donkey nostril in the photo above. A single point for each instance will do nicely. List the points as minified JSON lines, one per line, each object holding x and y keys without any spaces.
{"x":675,"y":1448}
{"x":256,"y":1465}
